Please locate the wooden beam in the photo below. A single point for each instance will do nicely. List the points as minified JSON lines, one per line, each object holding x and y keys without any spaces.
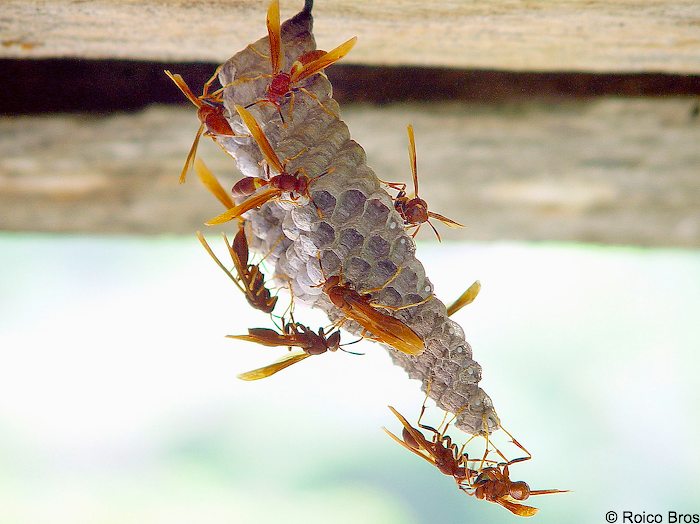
{"x":538,"y":35}
{"x":609,"y":170}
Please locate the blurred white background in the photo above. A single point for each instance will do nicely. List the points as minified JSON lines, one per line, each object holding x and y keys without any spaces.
{"x":119,"y":400}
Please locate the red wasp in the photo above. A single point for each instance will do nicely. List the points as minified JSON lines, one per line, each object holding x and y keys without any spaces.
{"x":293,"y":334}
{"x":211,"y":114}
{"x":296,"y":183}
{"x":440,"y":451}
{"x":361,"y":308}
{"x":250,"y":279}
{"x":414,"y":211}
{"x":493,"y":484}
{"x":284,"y":85}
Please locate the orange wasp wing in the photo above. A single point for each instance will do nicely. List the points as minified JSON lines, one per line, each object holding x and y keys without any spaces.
{"x":212,"y":184}
{"x":448,"y":222}
{"x":274,"y":35}
{"x":417,"y":436}
{"x":548,"y":491}
{"x":313,"y":67}
{"x":386,"y":328}
{"x":249,"y":203}
{"x":267,"y":337}
{"x":206,"y":246}
{"x":190,"y":156}
{"x":412,"y":157}
{"x":521,"y":510}
{"x":409,"y":448}
{"x":260,"y":138}
{"x":182,"y":86}
{"x":466,"y":298}
{"x":266,"y":371}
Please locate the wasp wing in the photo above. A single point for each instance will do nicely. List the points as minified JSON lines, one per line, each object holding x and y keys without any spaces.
{"x":260,"y":138}
{"x":206,"y":246}
{"x":386,"y":328}
{"x":409,"y":448}
{"x":521,"y":510}
{"x":266,"y":337}
{"x":182,"y":86}
{"x":252,"y":202}
{"x":465,"y":299}
{"x":315,"y":66}
{"x":212,"y":184}
{"x":190,"y":156}
{"x":412,"y":157}
{"x":448,"y":222}
{"x":266,"y":371}
{"x":275,"y":36}
{"x":418,"y":437}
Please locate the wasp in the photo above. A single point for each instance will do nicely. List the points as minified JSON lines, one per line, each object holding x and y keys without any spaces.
{"x":493,"y":484}
{"x":296,"y":183}
{"x":211,"y":114}
{"x":283,"y":84}
{"x":250,"y":279}
{"x":414,"y":211}
{"x":382,"y":327}
{"x":293,"y":334}
{"x":440,"y":451}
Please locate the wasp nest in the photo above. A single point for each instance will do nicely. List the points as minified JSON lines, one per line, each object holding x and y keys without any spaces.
{"x":349,"y":228}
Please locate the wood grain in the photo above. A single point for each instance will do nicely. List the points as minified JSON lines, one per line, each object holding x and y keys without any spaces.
{"x":609,"y":170}
{"x":536,"y":35}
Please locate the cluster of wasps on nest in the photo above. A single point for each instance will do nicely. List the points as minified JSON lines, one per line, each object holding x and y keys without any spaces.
{"x":486,"y":477}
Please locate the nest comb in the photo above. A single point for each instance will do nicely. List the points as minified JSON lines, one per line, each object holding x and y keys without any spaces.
{"x":350,"y":225}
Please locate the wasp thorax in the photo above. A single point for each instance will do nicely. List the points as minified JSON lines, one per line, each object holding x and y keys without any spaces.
{"x":287,"y":182}
{"x":279,"y":86}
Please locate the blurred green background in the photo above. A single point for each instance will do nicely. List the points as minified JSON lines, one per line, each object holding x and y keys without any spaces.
{"x":119,"y":402}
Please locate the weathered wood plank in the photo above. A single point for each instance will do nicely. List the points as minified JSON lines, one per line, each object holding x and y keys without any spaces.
{"x":609,"y":170}
{"x":538,"y":35}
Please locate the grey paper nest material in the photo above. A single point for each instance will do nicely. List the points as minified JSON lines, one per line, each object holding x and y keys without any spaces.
{"x":351,"y":224}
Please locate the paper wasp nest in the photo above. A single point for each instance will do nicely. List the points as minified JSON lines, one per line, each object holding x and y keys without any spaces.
{"x":351,"y":225}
